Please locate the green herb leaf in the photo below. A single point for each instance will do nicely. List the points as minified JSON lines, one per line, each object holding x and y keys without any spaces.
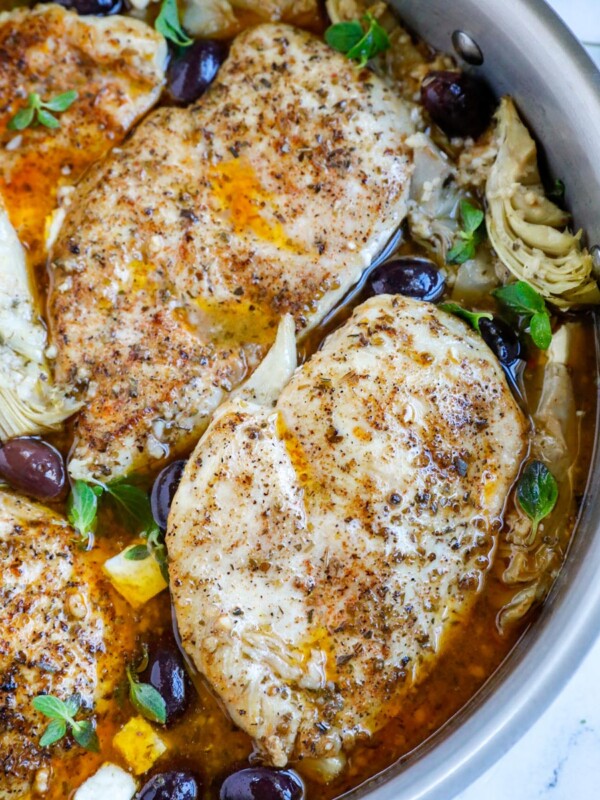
{"x":146,"y":699}
{"x":62,"y":714}
{"x":85,"y":735}
{"x":470,"y":236}
{"x":82,"y":508}
{"x":541,"y":330}
{"x":169,"y":25}
{"x":46,"y":119}
{"x":521,"y":298}
{"x":53,"y":733}
{"x":22,"y":119}
{"x":61,"y":102}
{"x":37,"y":111}
{"x":50,"y":706}
{"x":344,"y":36}
{"x":133,"y":504}
{"x":139,"y":552}
{"x":355,"y":42}
{"x":472,"y":317}
{"x":537,"y":493}
{"x":73,"y":704}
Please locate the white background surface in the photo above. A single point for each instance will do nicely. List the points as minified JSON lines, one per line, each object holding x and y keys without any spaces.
{"x":559,"y":758}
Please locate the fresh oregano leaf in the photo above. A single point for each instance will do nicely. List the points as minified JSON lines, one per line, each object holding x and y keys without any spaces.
{"x":73,"y":704}
{"x":537,"y":493}
{"x":167,"y":23}
{"x":472,"y":317}
{"x":85,"y":735}
{"x":61,"y":102}
{"x":344,"y":35}
{"x":46,"y":119}
{"x":53,"y":733}
{"x":139,"y":552}
{"x":50,"y":706}
{"x":82,"y":508}
{"x":146,"y":699}
{"x":133,"y":504}
{"x":22,"y":119}
{"x":541,"y":330}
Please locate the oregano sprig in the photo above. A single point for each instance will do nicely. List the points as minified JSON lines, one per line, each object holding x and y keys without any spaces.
{"x":522,"y":299}
{"x":359,"y":40}
{"x":62,"y":714}
{"x":470,"y":235}
{"x":144,"y":697}
{"x":37,"y":111}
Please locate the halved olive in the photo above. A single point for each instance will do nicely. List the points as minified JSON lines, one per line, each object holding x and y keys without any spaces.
{"x":411,"y":276}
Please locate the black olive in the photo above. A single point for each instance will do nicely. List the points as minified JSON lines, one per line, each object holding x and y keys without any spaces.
{"x":100,"y":8}
{"x":163,"y":492}
{"x":192,"y":71}
{"x":167,"y":673}
{"x":411,"y":276}
{"x":459,"y":103}
{"x":261,"y":783}
{"x":501,"y":340}
{"x":34,"y":467}
{"x":173,"y":785}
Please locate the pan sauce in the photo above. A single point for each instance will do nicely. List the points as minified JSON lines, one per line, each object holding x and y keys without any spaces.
{"x":206,"y":741}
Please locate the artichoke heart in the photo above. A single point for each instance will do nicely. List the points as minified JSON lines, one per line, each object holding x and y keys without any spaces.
{"x":29,"y":403}
{"x":528,"y":232}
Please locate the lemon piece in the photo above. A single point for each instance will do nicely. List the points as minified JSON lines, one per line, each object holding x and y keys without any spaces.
{"x":137,"y":581}
{"x":139,"y":744}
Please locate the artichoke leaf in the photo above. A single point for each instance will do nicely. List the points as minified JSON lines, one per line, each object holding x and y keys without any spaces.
{"x":528,"y":231}
{"x":29,"y":404}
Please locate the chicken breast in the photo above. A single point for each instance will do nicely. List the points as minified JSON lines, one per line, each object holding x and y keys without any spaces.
{"x":57,"y":619}
{"x":323,"y":549}
{"x":268,"y":196}
{"x":116,"y":65}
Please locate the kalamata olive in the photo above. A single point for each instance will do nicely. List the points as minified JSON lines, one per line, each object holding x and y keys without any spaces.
{"x":166,"y":672}
{"x":100,"y":8}
{"x":34,"y":467}
{"x":172,"y":785}
{"x":459,"y":103}
{"x":410,"y":276}
{"x":501,"y":340}
{"x":163,"y":492}
{"x":260,"y":783}
{"x":190,"y":74}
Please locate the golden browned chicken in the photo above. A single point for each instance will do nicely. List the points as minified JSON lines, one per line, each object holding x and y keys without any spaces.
{"x":326,"y":539}
{"x":182,"y":251}
{"x":59,"y":634}
{"x":116,"y":66}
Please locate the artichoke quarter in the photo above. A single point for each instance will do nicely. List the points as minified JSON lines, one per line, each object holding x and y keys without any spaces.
{"x":29,"y":404}
{"x":528,"y":232}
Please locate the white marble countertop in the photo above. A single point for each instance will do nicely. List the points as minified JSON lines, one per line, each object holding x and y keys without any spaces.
{"x":558,"y":758}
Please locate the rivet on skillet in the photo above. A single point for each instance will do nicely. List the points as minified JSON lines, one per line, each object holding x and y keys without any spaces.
{"x":467,"y":48}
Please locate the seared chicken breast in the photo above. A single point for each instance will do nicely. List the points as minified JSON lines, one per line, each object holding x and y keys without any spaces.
{"x":322,"y":548}
{"x":116,"y":66}
{"x":59,"y":634}
{"x":183,"y":249}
